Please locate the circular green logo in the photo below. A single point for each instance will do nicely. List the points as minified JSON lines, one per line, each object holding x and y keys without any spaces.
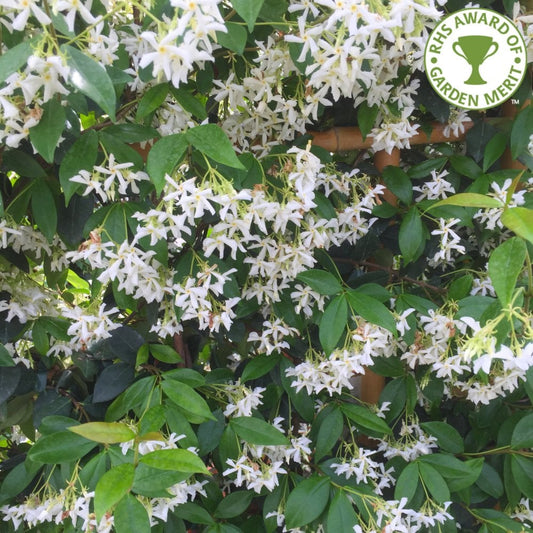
{"x":475,"y":58}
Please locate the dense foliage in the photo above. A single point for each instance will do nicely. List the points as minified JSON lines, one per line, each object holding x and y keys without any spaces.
{"x":190,"y":291}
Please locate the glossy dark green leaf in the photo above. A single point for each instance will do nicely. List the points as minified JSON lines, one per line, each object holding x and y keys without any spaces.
{"x":112,"y":487}
{"x":193,"y":406}
{"x":256,"y":431}
{"x":522,"y":436}
{"x":365,"y":419}
{"x":9,"y":380}
{"x":163,"y":158}
{"x":152,"y":100}
{"x":194,"y":513}
{"x":465,"y":166}
{"x":15,"y":58}
{"x":154,"y":482}
{"x":80,"y":156}
{"x":5,"y":358}
{"x":45,"y":135}
{"x":434,"y":482}
{"x":494,"y":149}
{"x":124,"y":343}
{"x":95,"y":468}
{"x":112,"y":381}
{"x":44,"y":208}
{"x":505,"y":264}
{"x":248,"y":11}
{"x":399,"y":183}
{"x":458,"y":474}
{"x":211,"y":140}
{"x":407,"y":482}
{"x":259,"y":366}
{"x":320,"y":281}
{"x":22,"y":163}
{"x":164,"y":353}
{"x":522,"y":127}
{"x":130,"y":515}
{"x":366,"y":118}
{"x":189,"y":102}
{"x":498,"y":522}
{"x":91,"y":79}
{"x":489,"y":481}
{"x":447,"y":436}
{"x":307,"y":501}
{"x":333,"y":323}
{"x":371,"y":309}
{"x":132,"y":133}
{"x":341,"y":514}
{"x":234,"y":504}
{"x":234,"y":39}
{"x":329,"y":433}
{"x":411,"y":235}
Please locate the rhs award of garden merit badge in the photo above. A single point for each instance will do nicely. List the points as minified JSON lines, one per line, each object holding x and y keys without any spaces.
{"x":475,"y":58}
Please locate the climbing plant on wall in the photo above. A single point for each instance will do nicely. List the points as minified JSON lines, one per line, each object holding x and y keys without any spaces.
{"x":191,"y":291}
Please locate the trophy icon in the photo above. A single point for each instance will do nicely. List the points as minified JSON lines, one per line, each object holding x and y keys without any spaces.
{"x":475,"y":49}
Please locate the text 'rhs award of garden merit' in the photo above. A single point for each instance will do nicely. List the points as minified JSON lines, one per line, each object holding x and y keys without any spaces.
{"x":475,"y":58}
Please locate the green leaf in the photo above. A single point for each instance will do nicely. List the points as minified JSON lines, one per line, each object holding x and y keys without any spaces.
{"x":104,"y":432}
{"x":399,"y":183}
{"x":80,"y":156}
{"x":341,"y":514}
{"x":22,"y":163}
{"x":407,"y":483}
{"x":519,"y":220}
{"x":494,"y":149}
{"x":522,"y":127}
{"x":60,"y":447}
{"x":365,"y":419}
{"x":154,"y":482}
{"x":130,"y":515}
{"x":14,"y":58}
{"x":124,"y":343}
{"x":256,"y":431}
{"x":175,"y":459}
{"x":466,"y":166}
{"x":447,"y":436}
{"x":469,"y":199}
{"x":329,"y":433}
{"x":458,"y":474}
{"x":505,"y":264}
{"x":320,"y":281}
{"x":460,"y":287}
{"x":522,"y":469}
{"x":434,"y":482}
{"x":522,"y":436}
{"x":112,"y":487}
{"x":189,"y":103}
{"x":234,"y":39}
{"x":307,"y":501}
{"x":259,"y":366}
{"x":248,"y":10}
{"x":213,"y":142}
{"x":193,"y":513}
{"x":371,"y":310}
{"x":333,"y":323}
{"x":489,"y":481}
{"x":91,"y":79}
{"x":163,"y":158}
{"x":44,"y":208}
{"x":112,"y":381}
{"x":193,"y":406}
{"x":45,"y":135}
{"x":411,"y":235}
{"x":499,"y":522}
{"x":234,"y":504}
{"x":151,"y":100}
{"x":132,"y":133}
{"x":366,"y":118}
{"x":5,"y":357}
{"x":164,"y":353}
